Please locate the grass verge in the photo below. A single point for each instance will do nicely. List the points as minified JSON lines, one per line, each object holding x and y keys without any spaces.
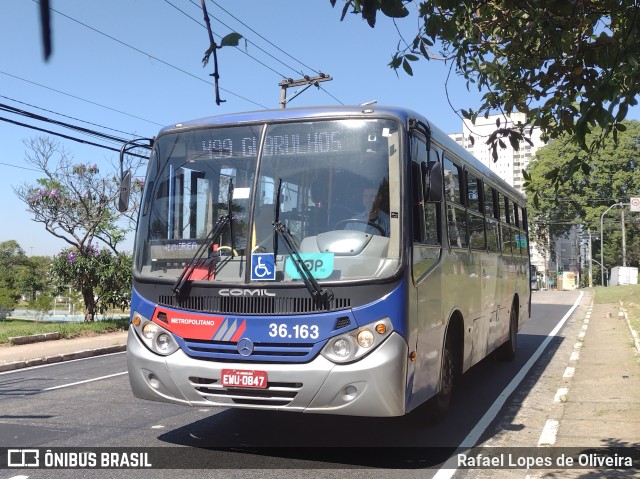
{"x":15,"y":327}
{"x":629,"y":295}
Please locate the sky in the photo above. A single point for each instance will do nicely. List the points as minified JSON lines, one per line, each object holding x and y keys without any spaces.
{"x":130,"y":67}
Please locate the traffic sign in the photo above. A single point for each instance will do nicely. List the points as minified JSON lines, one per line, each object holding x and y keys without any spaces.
{"x":635,"y":204}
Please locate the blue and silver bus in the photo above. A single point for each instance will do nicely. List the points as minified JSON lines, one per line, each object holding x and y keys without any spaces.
{"x":348,"y":260}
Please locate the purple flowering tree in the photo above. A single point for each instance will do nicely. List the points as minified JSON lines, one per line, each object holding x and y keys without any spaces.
{"x":77,"y":203}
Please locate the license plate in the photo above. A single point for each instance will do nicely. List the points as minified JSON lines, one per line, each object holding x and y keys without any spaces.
{"x":240,"y":378}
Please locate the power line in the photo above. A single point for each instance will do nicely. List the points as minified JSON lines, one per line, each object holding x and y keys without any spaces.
{"x":150,"y":56}
{"x":265,"y":39}
{"x":18,"y":166}
{"x":79,"y":140}
{"x":79,"y":129}
{"x":257,"y":46}
{"x":239,"y":49}
{"x":79,"y":98}
{"x":72,"y":138}
{"x":67,"y":116}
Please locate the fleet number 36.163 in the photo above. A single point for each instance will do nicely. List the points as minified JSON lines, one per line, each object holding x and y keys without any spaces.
{"x":297,"y":331}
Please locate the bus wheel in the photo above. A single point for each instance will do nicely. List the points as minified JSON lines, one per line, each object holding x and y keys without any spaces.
{"x":438,"y":405}
{"x":507,"y":352}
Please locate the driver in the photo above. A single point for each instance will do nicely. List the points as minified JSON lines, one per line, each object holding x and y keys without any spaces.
{"x":371,"y":214}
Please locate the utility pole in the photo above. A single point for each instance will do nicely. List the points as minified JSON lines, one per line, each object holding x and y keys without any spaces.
{"x":307,"y":81}
{"x":624,"y":240}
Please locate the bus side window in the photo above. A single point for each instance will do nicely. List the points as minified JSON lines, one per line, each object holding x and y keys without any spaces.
{"x":452,"y":186}
{"x":473,"y":193}
{"x":417,"y":201}
{"x":426,"y":217}
{"x":432,"y":215}
{"x":456,"y":212}
{"x":475,"y":217}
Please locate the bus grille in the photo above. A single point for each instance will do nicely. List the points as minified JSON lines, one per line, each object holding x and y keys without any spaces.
{"x":276,"y":394}
{"x":253,"y":305}
{"x":263,"y":352}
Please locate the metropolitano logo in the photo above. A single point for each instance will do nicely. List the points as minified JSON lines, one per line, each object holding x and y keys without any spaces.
{"x":23,"y":458}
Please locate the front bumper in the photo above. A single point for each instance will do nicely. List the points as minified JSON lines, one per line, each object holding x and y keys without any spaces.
{"x":372,"y":386}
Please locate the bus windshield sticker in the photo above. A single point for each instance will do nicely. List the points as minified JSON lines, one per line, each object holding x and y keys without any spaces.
{"x":263,"y":267}
{"x":320,"y":265}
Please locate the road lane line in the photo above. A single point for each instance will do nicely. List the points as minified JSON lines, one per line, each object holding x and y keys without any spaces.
{"x":83,"y":382}
{"x":450,"y":466}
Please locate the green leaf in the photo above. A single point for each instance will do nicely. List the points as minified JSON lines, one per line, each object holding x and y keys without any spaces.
{"x":407,"y":67}
{"x":394,"y":8}
{"x":230,"y":40}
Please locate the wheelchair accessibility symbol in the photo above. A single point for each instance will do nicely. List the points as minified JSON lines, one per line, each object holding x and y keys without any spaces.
{"x":263,"y":267}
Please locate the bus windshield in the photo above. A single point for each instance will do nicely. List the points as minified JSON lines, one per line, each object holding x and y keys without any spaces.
{"x":334,"y":179}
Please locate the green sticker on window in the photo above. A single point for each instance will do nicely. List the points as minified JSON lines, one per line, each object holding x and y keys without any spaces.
{"x":320,"y":265}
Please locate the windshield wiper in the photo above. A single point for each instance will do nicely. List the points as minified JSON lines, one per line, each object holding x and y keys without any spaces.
{"x":320,"y":295}
{"x":179,"y":287}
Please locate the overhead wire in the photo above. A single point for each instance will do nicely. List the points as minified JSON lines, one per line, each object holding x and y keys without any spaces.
{"x":239,"y":49}
{"x":67,"y":116}
{"x":79,"y":98}
{"x":148,"y":55}
{"x":263,"y":38}
{"x":79,"y":129}
{"x":55,"y":133}
{"x":257,"y":46}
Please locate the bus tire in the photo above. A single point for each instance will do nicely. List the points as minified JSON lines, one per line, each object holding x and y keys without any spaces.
{"x":507,"y":351}
{"x":438,"y":405}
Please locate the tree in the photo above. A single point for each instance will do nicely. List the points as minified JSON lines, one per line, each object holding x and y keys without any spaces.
{"x":103,"y":277}
{"x":76,"y":203}
{"x":33,"y":276}
{"x":12,"y":258}
{"x":572,"y":67}
{"x":614,"y":176}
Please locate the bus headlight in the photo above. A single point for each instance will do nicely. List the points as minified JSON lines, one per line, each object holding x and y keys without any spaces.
{"x":342,"y":347}
{"x":149,"y":330}
{"x":355,"y":344}
{"x":154,"y":336}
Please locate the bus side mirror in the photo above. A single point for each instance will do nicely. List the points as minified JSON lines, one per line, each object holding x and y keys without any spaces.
{"x":125,"y":191}
{"x":432,"y":174}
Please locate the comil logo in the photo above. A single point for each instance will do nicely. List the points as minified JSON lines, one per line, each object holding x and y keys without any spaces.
{"x":245,"y":292}
{"x":23,"y":458}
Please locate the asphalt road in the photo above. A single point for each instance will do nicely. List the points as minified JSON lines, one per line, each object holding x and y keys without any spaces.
{"x":88,"y":403}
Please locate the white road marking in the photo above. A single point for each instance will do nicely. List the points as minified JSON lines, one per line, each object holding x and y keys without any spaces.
{"x":549,"y":433}
{"x":569,"y":372}
{"x":84,"y":382}
{"x":450,"y":467}
{"x":561,"y":395}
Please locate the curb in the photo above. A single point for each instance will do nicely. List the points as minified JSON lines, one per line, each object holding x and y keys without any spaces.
{"x":634,"y":333}
{"x":87,"y":353}
{"x":34,"y":338}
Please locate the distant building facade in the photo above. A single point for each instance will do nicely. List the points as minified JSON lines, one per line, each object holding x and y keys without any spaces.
{"x":510,"y":162}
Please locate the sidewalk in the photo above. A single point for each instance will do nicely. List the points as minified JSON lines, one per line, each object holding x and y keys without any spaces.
{"x":598,"y":402}
{"x":45,"y":352}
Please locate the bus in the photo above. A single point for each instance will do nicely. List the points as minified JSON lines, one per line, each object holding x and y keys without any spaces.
{"x":336,"y":260}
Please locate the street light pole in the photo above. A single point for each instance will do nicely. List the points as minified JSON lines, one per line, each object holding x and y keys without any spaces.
{"x":602,"y":266}
{"x":602,"y":240}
